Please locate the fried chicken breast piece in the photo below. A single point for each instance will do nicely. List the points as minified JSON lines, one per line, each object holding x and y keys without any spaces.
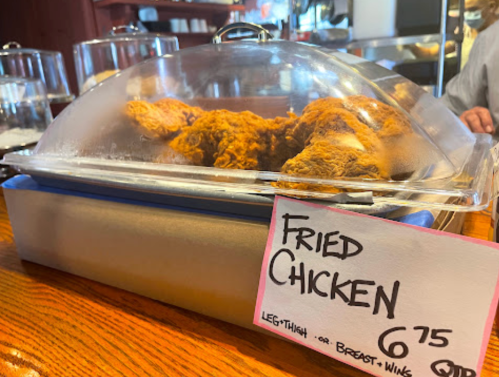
{"x":147,"y":118}
{"x":340,"y":146}
{"x":320,"y":118}
{"x":385,"y":120}
{"x":326,"y":103}
{"x":312,"y":114}
{"x":224,"y":139}
{"x":390,"y":124}
{"x":345,"y":127}
{"x":174,"y":106}
{"x":394,"y":130}
{"x":325,"y":159}
{"x":164,"y":119}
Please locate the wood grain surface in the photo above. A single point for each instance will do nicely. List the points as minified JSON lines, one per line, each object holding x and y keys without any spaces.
{"x":57,"y":324}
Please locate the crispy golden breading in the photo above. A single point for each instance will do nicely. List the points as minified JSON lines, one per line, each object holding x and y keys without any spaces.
{"x":280,"y":149}
{"x":342,"y":123}
{"x":171,"y":105}
{"x":325,"y":160}
{"x":246,"y":146}
{"x":386,"y":120}
{"x":322,"y":104}
{"x":200,"y":142}
{"x":329,"y":119}
{"x":225,"y":139}
{"x":147,"y":118}
{"x":164,"y":119}
{"x":243,"y":140}
{"x":339,"y":146}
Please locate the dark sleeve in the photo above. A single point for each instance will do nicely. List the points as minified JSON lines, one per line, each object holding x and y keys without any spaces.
{"x":468,"y":89}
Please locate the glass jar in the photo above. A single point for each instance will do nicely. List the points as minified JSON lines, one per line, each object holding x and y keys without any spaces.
{"x":24,"y":112}
{"x":47,"y":66}
{"x":100,"y":58}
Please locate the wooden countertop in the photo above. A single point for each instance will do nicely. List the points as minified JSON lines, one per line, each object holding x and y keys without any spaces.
{"x":56,"y":324}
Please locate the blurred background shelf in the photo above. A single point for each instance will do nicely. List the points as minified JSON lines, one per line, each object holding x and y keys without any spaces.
{"x":191,"y":39}
{"x":190,"y":35}
{"x":61,"y":23}
{"x":109,"y":13}
{"x":386,"y":42}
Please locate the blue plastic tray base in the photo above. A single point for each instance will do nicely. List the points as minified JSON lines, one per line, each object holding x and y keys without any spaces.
{"x":236,"y":204}
{"x":422,"y":218}
{"x":24,"y":182}
{"x":261,"y":213}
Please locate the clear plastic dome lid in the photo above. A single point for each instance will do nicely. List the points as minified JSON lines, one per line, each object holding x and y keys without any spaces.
{"x":47,"y":66}
{"x":268,"y":117}
{"x":100,"y":58}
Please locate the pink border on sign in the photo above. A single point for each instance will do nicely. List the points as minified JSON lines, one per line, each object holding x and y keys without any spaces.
{"x":263,"y":274}
{"x":488,"y":328}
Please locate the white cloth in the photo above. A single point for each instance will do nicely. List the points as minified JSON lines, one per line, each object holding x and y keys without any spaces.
{"x":467,"y":45}
{"x":478,"y":82}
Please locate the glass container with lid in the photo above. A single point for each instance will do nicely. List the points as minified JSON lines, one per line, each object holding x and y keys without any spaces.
{"x":24,"y":112}
{"x":47,"y":66}
{"x":266,"y":118}
{"x":100,"y":58}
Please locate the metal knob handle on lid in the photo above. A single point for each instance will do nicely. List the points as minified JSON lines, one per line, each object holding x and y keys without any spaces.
{"x":127,"y":28}
{"x":11,"y":44}
{"x":263,"y":34}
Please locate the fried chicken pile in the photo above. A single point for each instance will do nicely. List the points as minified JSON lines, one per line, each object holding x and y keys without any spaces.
{"x":334,"y":138}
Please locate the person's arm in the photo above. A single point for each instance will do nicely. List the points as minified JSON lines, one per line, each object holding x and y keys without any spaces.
{"x":465,"y":94}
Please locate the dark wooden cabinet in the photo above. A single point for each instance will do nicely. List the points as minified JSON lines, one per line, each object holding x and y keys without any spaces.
{"x":58,"y":24}
{"x":49,"y":25}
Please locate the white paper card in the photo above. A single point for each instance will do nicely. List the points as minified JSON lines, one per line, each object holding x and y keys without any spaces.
{"x":495,"y":156}
{"x":387,"y":298}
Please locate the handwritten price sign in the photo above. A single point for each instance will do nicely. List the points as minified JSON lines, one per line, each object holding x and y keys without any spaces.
{"x":387,"y":298}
